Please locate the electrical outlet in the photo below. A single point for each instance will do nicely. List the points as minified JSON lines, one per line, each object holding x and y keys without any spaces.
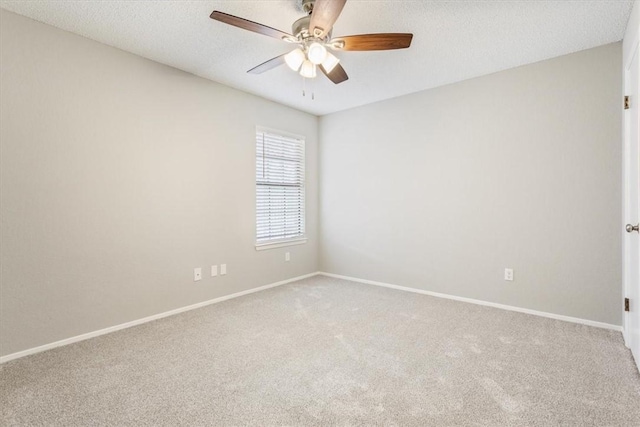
{"x":287,"y":256}
{"x":508,"y":274}
{"x":223,"y":269}
{"x":197,"y":274}
{"x":214,"y":270}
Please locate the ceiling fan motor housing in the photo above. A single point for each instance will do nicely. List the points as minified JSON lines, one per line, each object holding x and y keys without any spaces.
{"x":300,"y":29}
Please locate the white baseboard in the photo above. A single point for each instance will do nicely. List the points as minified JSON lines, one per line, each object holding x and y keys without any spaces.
{"x":115,"y":328}
{"x":480,"y":302}
{"x":627,"y":343}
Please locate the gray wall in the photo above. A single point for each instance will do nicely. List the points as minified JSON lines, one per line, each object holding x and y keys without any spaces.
{"x":443,"y":189}
{"x":118,"y":177}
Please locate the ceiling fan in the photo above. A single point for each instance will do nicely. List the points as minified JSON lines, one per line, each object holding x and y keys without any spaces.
{"x":312,"y":35}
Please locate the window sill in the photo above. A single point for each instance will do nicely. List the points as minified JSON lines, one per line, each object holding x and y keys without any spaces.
{"x":281,"y":244}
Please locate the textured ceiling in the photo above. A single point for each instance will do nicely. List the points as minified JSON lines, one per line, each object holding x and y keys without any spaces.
{"x":453,"y":40}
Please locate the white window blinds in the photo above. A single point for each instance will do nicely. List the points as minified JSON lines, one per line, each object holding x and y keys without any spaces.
{"x":279,"y":188}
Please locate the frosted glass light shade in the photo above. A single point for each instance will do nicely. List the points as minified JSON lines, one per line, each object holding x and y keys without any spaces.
{"x":317,"y":53}
{"x":294,"y":59}
{"x":330,"y":62}
{"x":308,"y":69}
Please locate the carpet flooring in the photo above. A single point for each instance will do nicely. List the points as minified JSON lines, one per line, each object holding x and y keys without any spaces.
{"x":323,"y":351}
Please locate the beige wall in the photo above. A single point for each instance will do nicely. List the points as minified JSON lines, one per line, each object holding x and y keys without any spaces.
{"x":443,"y":189}
{"x":118,"y":177}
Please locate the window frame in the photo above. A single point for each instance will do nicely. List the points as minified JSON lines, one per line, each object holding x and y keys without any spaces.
{"x":297,"y":240}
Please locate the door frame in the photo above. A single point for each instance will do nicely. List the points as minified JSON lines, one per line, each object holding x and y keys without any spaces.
{"x":629,"y":51}
{"x":626,"y":201}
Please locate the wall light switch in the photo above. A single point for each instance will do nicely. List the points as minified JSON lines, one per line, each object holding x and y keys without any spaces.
{"x":223,"y":269}
{"x":214,"y":270}
{"x":287,"y":256}
{"x":197,"y":274}
{"x":508,"y":274}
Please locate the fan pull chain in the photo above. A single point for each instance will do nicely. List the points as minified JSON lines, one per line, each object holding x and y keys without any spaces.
{"x":304,"y":88}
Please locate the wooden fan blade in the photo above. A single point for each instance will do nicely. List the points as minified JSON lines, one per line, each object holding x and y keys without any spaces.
{"x":245,"y":24}
{"x":268,"y":65}
{"x":324,"y":15}
{"x":337,"y":75}
{"x":383,"y":41}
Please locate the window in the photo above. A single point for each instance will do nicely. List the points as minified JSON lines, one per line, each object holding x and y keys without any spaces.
{"x":279,"y":189}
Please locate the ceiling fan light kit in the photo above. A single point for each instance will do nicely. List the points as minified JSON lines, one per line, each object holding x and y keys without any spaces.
{"x":317,"y":53}
{"x":294,"y":59}
{"x":308,"y":69}
{"x":330,"y":62}
{"x":312,"y":33}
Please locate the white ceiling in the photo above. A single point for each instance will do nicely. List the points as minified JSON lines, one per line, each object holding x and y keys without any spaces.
{"x":453,"y":40}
